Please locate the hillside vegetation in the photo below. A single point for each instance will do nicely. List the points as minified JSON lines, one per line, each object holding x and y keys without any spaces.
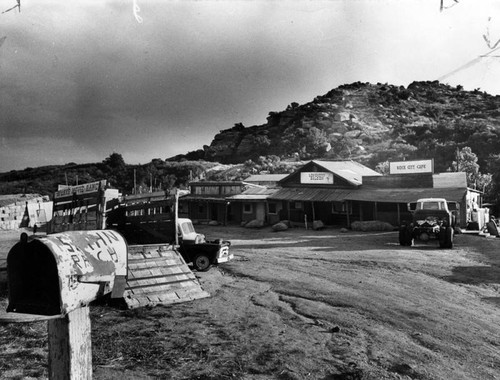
{"x":371,"y":124}
{"x":368,"y":123}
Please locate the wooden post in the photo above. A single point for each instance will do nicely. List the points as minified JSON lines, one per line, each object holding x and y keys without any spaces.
{"x":70,"y":348}
{"x":266,"y":205}
{"x":176,"y":216}
{"x":347,"y":214}
{"x":226,"y":206}
{"x":399,"y":214}
{"x":314,"y":214}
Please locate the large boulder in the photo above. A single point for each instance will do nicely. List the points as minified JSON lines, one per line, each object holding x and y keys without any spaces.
{"x":372,"y":225}
{"x":280,"y":226}
{"x":255,"y":224}
{"x":318,"y":225}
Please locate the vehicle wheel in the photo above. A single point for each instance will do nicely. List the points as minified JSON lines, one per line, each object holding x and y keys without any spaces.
{"x":201,"y":263}
{"x":449,"y":237}
{"x":405,"y":237}
{"x":442,"y":238}
{"x":402,"y":236}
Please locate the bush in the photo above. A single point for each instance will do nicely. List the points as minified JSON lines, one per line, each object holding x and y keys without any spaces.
{"x":372,"y":225}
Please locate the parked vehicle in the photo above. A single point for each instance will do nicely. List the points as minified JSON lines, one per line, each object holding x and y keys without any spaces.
{"x":196,"y":249}
{"x":152,"y":221}
{"x":433,"y":218}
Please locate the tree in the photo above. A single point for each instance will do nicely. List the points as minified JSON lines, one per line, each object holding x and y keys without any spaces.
{"x":467,"y":162}
{"x":383,"y":167}
{"x":493,"y":167}
{"x":114,"y":161}
{"x":115,"y":169}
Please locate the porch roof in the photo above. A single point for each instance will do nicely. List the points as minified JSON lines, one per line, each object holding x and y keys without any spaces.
{"x":311,"y":194}
{"x":405,"y":195}
{"x":203,"y":198}
{"x":253,"y":194}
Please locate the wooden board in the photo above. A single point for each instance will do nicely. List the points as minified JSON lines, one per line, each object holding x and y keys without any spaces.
{"x":157,"y":274}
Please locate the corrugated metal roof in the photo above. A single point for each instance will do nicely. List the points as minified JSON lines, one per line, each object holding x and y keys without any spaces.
{"x":405,"y":195}
{"x":308,"y":194}
{"x":217,"y":183}
{"x":248,"y":197}
{"x":265,"y":177}
{"x":212,"y":198}
{"x":254,"y":194}
{"x":350,"y":170}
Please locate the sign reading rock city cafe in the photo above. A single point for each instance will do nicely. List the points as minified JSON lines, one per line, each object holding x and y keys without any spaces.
{"x":411,"y":167}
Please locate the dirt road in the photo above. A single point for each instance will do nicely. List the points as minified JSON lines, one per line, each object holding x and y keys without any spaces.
{"x":303,"y":304}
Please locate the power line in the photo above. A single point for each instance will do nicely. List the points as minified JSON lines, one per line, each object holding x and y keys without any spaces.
{"x":469,"y":64}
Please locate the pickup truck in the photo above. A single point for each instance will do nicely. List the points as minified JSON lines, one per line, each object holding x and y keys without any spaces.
{"x":433,"y":218}
{"x":195,"y":249}
{"x":141,"y":224}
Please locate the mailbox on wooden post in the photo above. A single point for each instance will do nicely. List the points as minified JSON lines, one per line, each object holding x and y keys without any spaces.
{"x":55,"y":278}
{"x":56,"y":274}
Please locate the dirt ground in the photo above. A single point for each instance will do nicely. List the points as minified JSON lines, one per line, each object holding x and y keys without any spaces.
{"x":302,"y":304}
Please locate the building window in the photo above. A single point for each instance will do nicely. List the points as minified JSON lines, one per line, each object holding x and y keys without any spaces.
{"x":338,"y":207}
{"x":297,"y":205}
{"x":247,"y":208}
{"x":183,"y":208}
{"x":272,"y":208}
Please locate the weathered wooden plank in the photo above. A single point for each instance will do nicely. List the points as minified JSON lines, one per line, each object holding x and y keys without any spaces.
{"x":63,"y":204}
{"x":155,"y":279}
{"x":127,"y":205}
{"x":70,"y":352}
{"x":149,"y":218}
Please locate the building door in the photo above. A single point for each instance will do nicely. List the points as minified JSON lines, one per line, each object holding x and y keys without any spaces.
{"x":260,"y":211}
{"x":214,"y":214}
{"x":367,"y":210}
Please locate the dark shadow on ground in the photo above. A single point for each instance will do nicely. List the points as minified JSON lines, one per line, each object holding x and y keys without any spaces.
{"x":493,"y":300}
{"x":474,"y":275}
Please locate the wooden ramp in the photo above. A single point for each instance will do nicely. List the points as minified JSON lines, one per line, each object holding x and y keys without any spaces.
{"x":157,"y":274}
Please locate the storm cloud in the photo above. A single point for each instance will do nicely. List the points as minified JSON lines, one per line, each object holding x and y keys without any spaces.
{"x":80,"y":80}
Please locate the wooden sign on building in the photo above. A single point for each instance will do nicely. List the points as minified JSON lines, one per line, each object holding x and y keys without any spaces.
{"x":81,"y":207}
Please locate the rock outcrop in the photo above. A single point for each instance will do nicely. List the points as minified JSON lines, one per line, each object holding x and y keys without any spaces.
{"x":369,"y":123}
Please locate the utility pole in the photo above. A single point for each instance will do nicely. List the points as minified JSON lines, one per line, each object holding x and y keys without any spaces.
{"x":135,"y":184}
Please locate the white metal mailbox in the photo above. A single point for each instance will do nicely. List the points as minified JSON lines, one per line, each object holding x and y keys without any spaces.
{"x":58,"y":273}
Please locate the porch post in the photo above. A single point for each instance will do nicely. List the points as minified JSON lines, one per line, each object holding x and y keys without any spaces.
{"x":399,"y":215}
{"x":347,"y":214}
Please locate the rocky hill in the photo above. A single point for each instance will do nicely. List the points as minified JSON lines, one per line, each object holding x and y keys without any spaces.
{"x":370,"y":123}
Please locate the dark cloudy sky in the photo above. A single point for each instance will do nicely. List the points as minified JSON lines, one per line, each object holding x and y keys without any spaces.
{"x":80,"y":80}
